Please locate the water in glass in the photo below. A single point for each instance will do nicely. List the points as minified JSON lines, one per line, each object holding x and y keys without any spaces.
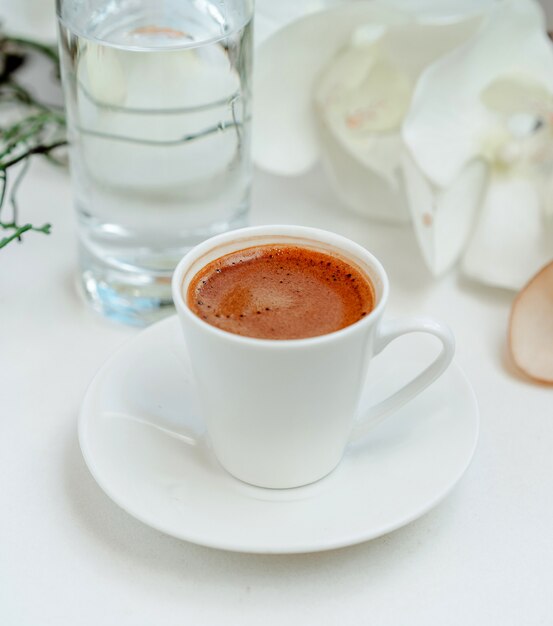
{"x":158,"y":108}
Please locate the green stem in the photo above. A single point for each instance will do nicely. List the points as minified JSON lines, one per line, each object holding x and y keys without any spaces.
{"x":48,"y":51}
{"x":15,"y":235}
{"x":3,"y":185}
{"x":13,"y":193}
{"x":19,"y":230}
{"x":40,"y":131}
{"x":36,"y":150}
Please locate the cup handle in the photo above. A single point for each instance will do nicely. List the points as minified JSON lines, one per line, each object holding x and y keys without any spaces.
{"x":385,"y":334}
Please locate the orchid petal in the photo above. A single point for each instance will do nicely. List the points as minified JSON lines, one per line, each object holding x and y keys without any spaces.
{"x":289,"y":63}
{"x":449,"y":125}
{"x":361,"y":99}
{"x":370,"y":187}
{"x":415,"y":45}
{"x":515,"y":94}
{"x":287,"y":67}
{"x":361,"y":93}
{"x":443,"y":218}
{"x":358,"y":97}
{"x":442,"y":12}
{"x":511,"y":241}
{"x":271,"y":15}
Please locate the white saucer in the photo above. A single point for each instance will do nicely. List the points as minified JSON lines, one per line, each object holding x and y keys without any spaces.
{"x":405,"y":466}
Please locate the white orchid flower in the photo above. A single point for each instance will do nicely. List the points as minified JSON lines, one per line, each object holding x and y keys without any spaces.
{"x":482,"y":113}
{"x":438,"y":110}
{"x":337,"y":84}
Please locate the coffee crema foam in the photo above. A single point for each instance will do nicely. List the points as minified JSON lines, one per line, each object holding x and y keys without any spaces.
{"x":280,"y":292}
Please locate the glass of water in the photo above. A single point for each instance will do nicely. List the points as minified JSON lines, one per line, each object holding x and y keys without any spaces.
{"x":157,"y":96}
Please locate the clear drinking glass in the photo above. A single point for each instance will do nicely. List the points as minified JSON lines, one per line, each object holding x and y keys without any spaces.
{"x":158,"y":97}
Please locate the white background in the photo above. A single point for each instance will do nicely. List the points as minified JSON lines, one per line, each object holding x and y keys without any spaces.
{"x":69,"y":556}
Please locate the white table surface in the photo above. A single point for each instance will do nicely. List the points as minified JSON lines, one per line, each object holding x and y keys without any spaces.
{"x":69,"y":556}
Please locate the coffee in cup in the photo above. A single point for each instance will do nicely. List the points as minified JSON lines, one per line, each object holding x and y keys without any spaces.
{"x":281,"y":292}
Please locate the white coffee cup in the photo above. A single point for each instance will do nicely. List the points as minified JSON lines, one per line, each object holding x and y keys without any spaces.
{"x":280,"y":413}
